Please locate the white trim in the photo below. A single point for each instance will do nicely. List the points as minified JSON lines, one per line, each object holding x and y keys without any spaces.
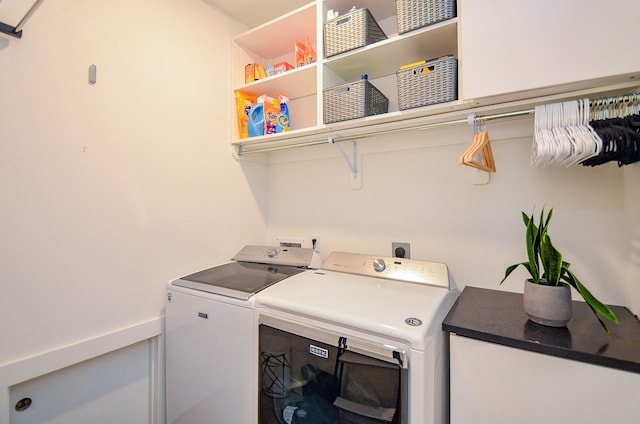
{"x":156,"y":380}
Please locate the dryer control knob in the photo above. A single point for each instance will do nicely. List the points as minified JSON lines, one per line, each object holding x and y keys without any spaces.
{"x":379,"y":265}
{"x":272,"y":253}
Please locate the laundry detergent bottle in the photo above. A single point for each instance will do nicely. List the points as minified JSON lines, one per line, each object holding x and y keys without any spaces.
{"x":255,"y":124}
{"x":283,"y":123}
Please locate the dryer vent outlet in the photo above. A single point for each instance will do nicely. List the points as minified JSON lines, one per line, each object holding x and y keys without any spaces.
{"x":401,"y":250}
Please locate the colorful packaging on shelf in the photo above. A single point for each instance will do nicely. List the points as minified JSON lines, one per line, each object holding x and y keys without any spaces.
{"x":254,"y":72}
{"x":309,"y":53}
{"x":283,"y":122}
{"x":281,"y":67}
{"x":270,"y":70}
{"x":243,"y":104}
{"x":300,"y":54}
{"x":305,"y":54}
{"x":271,"y":111}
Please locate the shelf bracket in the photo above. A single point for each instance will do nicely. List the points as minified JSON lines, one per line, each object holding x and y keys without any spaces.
{"x":355,"y":181}
{"x":353,"y":166}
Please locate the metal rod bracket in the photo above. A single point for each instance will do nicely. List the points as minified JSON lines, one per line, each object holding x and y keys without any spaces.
{"x":353,"y":166}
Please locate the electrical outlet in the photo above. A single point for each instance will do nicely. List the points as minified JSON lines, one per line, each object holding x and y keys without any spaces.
{"x":401,"y":250}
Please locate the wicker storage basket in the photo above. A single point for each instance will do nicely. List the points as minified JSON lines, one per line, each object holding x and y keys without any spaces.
{"x":433,"y":82}
{"x":351,"y":31}
{"x":414,"y":14}
{"x":353,"y":100}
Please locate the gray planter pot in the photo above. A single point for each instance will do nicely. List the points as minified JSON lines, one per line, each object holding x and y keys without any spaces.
{"x":547,"y":305}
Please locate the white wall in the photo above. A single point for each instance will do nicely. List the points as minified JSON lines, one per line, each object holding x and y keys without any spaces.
{"x":414,"y":190}
{"x":109,"y":191}
{"x":632,"y":229}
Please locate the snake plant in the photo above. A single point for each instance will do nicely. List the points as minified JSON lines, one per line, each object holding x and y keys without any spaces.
{"x":554,"y":269}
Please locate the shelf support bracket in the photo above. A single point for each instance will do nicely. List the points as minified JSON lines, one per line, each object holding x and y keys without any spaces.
{"x":353,"y":166}
{"x":355,"y":180}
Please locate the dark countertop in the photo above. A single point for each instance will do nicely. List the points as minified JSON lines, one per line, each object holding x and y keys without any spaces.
{"x":498,"y":317}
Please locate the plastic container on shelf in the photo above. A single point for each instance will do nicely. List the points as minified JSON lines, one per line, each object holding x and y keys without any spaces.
{"x":353,"y":100}
{"x":435,"y":81}
{"x":357,"y":28}
{"x":255,"y":124}
{"x":414,"y":14}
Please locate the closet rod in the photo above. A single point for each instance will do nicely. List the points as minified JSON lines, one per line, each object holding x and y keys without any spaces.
{"x":454,"y":122}
{"x":615,"y":100}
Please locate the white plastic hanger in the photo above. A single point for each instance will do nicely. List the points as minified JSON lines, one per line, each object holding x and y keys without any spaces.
{"x":562,"y":134}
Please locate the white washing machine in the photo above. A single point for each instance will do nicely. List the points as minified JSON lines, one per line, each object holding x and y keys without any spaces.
{"x":358,"y":341}
{"x":211,"y":335}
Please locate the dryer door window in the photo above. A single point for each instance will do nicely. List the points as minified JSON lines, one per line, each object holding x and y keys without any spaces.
{"x":307,"y":381}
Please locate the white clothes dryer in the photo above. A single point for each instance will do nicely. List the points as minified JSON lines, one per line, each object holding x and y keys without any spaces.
{"x":357,"y":341}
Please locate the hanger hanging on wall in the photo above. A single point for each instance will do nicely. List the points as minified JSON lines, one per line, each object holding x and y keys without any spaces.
{"x":479,"y":155}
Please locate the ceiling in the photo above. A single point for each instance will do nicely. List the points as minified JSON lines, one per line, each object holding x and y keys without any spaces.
{"x":12,"y":11}
{"x":253,"y":13}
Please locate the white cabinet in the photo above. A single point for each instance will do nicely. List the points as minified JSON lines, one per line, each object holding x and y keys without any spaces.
{"x":492,"y":383}
{"x":512,"y":55}
{"x":512,"y":46}
{"x":506,"y":369}
{"x":274,"y":41}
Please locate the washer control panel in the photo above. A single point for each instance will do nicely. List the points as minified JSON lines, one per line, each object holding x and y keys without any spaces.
{"x":292,"y":256}
{"x":411,"y":270}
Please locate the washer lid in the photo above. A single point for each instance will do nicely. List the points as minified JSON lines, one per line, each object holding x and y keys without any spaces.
{"x":397,"y":310}
{"x":237,"y":279}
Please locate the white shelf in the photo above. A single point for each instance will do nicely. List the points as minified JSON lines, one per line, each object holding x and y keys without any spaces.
{"x":385,"y":57}
{"x":274,"y":41}
{"x":413,"y":119}
{"x":362,"y":127}
{"x":299,"y":82}
{"x":277,"y":38}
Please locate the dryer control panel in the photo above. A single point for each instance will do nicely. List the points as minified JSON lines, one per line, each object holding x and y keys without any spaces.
{"x":410,"y":270}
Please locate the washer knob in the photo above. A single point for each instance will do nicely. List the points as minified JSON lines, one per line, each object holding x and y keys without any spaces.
{"x":272,"y":253}
{"x":379,"y":265}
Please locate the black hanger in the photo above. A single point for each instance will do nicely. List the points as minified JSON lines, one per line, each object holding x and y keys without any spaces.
{"x":620,"y":138}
